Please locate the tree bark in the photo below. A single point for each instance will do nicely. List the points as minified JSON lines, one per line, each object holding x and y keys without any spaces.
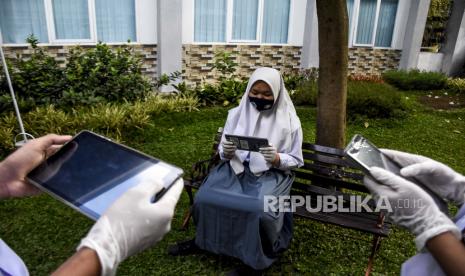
{"x":332,"y":80}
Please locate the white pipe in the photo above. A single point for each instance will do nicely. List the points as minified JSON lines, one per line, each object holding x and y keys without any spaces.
{"x":13,"y":96}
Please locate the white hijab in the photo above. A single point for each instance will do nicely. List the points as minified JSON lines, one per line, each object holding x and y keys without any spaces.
{"x":276,"y":124}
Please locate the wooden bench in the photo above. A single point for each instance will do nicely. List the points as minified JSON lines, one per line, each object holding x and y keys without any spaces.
{"x":326,"y":172}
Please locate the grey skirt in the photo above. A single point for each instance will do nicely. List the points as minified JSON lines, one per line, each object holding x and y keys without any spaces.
{"x":230,"y":218}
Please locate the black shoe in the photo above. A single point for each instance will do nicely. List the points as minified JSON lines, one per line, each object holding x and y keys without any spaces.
{"x":244,"y":270}
{"x":183,"y":248}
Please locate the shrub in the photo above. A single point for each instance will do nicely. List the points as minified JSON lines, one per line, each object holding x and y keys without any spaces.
{"x":36,"y":80}
{"x":302,"y":87}
{"x":226,"y":92}
{"x":415,"y":80}
{"x":110,"y":119}
{"x":94,"y":76}
{"x":292,"y":81}
{"x":364,"y":99}
{"x":374,"y":100}
{"x":102,"y":74}
{"x":456,"y":85}
{"x":438,"y":15}
{"x":232,"y":90}
{"x":305,"y":94}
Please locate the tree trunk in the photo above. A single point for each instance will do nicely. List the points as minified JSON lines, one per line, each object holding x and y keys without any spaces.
{"x":332,"y":80}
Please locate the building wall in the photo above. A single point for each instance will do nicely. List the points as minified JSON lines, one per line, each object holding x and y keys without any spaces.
{"x":147,"y":52}
{"x":431,"y":62}
{"x":198,"y":60}
{"x":372,"y":62}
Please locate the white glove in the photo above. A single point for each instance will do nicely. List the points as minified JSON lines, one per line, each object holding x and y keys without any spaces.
{"x":132,"y":224}
{"x":411,"y":206}
{"x":269,"y":153}
{"x":229,"y":148}
{"x":441,"y":179}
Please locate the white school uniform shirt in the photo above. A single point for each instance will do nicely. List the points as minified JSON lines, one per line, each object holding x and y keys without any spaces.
{"x":10,"y":263}
{"x":424,"y":263}
{"x":280,"y":125}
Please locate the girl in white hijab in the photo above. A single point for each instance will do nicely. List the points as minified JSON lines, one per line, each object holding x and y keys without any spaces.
{"x":229,"y":210}
{"x":265,"y":111}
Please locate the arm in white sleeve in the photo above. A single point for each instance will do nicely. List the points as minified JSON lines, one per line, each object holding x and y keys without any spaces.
{"x":294,"y":158}
{"x":227,"y":129}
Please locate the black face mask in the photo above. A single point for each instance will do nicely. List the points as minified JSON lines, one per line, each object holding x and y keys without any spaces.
{"x":261,"y":104}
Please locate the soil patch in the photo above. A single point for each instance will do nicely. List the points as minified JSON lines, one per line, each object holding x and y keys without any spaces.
{"x":443,"y":100}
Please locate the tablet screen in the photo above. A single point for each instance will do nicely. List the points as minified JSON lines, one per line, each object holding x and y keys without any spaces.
{"x":91,"y":172}
{"x":367,"y":155}
{"x":246,"y":142}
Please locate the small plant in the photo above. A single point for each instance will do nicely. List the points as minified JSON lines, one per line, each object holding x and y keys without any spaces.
{"x":368,"y":78}
{"x":225,"y":64}
{"x":166,"y":79}
{"x":415,"y":80}
{"x":456,"y":85}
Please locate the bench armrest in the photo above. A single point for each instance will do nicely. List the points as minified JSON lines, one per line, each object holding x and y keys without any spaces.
{"x":202,"y":168}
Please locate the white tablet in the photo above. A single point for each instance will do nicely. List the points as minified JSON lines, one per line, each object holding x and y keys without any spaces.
{"x":90,"y":172}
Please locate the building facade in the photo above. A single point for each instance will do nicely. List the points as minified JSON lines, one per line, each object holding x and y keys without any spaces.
{"x":184,"y":35}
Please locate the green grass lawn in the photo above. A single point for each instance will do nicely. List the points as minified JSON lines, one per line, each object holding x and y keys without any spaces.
{"x":44,"y":232}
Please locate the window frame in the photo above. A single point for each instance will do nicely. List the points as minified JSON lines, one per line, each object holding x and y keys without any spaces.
{"x":51,"y":31}
{"x":260,"y":16}
{"x":230,"y":27}
{"x":354,"y":20}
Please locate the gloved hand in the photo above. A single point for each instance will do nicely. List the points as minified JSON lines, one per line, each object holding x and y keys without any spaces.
{"x":411,"y":206}
{"x":441,"y":179}
{"x":132,"y":223}
{"x":229,"y":148}
{"x":270,"y":154}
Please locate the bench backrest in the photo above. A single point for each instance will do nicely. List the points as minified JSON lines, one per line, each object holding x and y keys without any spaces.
{"x":327,"y":167}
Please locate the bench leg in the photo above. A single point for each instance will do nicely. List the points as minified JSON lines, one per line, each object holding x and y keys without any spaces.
{"x":188,"y":213}
{"x":186,"y":220}
{"x":375,"y":246}
{"x":189,"y":193}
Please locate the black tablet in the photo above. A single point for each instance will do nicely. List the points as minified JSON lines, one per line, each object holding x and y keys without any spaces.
{"x":247,"y":142}
{"x":90,"y":172}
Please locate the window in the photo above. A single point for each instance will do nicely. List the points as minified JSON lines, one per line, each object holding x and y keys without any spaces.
{"x":387,"y":18}
{"x":210,"y":20}
{"x":263,"y":21}
{"x":21,"y":18}
{"x":245,"y":16}
{"x":275,"y":21}
{"x":71,"y":18}
{"x":69,"y":21}
{"x":115,"y":20}
{"x":350,"y":11}
{"x":105,"y":20}
{"x":374,"y":21}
